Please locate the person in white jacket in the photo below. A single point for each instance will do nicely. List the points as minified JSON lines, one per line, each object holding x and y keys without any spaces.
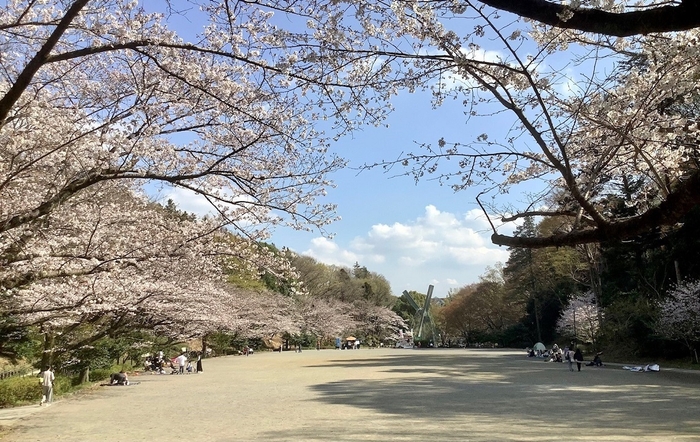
{"x":47,"y":379}
{"x":181,"y":361}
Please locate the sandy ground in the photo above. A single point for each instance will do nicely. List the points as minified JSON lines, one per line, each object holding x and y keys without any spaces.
{"x":377,"y":395}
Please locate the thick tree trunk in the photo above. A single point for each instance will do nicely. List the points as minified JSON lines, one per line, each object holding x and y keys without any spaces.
{"x":537,"y":320}
{"x":593,"y":258}
{"x":84,"y":375}
{"x":684,"y":197}
{"x":47,"y":354}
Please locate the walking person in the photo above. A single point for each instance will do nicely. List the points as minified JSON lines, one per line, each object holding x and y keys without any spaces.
{"x":568,"y":355}
{"x":47,"y":386}
{"x":578,"y":357}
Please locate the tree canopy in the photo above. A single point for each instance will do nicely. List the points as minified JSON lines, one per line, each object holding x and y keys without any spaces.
{"x":105,"y":103}
{"x":101,"y":102}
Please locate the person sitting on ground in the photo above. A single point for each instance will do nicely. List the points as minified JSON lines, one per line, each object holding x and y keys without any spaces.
{"x":159,"y":365}
{"x":119,"y":378}
{"x":597,"y":360}
{"x":556,"y":354}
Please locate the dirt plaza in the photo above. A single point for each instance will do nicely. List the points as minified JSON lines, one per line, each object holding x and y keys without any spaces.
{"x":376,"y":395}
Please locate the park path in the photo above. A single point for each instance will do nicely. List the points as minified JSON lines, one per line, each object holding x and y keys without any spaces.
{"x":379,"y":395}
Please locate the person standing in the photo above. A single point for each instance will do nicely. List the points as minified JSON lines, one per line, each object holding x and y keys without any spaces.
{"x":569,"y":356}
{"x":578,"y":357}
{"x":182,"y":361}
{"x":199,"y":363}
{"x":47,"y":386}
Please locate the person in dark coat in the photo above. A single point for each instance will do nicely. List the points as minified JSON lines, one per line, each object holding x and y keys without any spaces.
{"x":119,"y":378}
{"x":578,"y":357}
{"x":199,"y":363}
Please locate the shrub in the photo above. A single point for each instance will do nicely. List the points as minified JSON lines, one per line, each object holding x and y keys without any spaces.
{"x":62,"y":385}
{"x":101,"y":374}
{"x":27,"y":389}
{"x":14,"y":391}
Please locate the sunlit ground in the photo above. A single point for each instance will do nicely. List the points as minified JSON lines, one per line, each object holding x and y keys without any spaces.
{"x":382,"y":395}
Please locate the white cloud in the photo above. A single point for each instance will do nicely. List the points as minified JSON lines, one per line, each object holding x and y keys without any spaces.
{"x":329,"y":252}
{"x":189,"y":201}
{"x":439,"y":248}
{"x":193,"y":202}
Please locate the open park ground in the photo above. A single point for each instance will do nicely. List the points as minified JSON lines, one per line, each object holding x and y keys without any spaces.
{"x":376,"y":395}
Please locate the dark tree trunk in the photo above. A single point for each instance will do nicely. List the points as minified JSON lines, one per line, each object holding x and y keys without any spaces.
{"x":84,"y":375}
{"x":47,"y":354}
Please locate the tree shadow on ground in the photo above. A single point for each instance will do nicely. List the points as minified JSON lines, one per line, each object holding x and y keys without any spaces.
{"x":529,"y":398}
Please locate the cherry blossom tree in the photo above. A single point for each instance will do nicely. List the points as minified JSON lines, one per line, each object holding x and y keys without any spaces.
{"x":100,"y":99}
{"x":242,"y":111}
{"x":324,"y":317}
{"x":109,"y":261}
{"x":679,"y":316}
{"x":375,"y":323}
{"x":581,"y":319}
{"x":106,"y":90}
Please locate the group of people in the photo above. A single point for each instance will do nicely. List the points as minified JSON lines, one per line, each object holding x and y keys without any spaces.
{"x":351,"y":345}
{"x":177,"y":365}
{"x":153,"y":363}
{"x":184,"y":365}
{"x":556,"y":354}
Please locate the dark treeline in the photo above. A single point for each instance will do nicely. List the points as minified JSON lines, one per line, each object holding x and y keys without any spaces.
{"x":624,"y":298}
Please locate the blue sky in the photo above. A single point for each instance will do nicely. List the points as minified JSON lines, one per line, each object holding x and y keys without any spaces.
{"x":415,"y":234}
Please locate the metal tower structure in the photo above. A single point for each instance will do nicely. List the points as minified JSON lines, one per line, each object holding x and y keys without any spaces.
{"x":423,"y":319}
